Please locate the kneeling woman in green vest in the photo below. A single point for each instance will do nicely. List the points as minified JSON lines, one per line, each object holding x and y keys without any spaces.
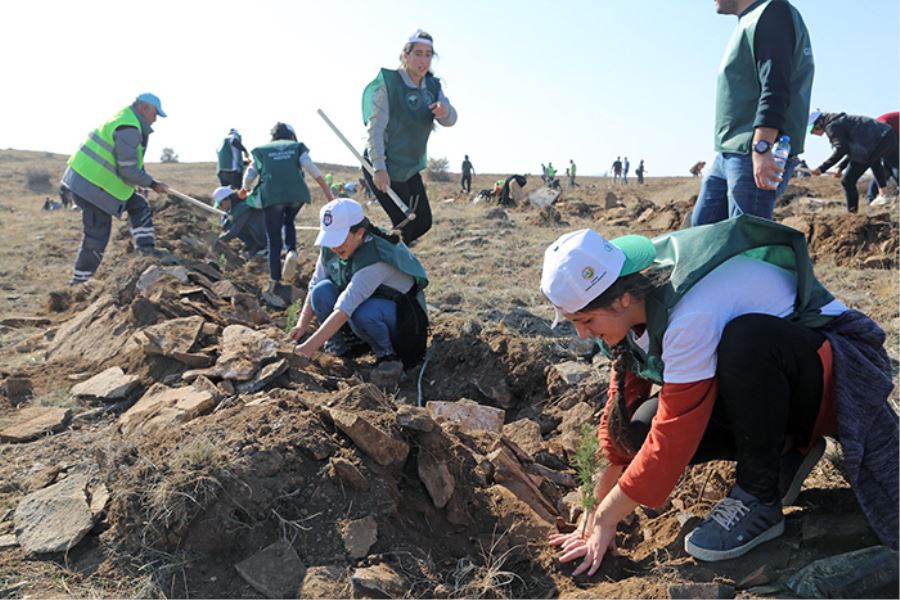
{"x":280,"y":192}
{"x":368,"y":280}
{"x":757,"y":361}
{"x":399,"y":109}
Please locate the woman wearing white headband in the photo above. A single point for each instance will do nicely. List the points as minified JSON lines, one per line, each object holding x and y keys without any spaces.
{"x":399,"y":108}
{"x":757,"y":361}
{"x":366,"y":278}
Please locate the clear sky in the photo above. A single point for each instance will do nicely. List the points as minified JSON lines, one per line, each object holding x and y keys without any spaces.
{"x":532,"y":81}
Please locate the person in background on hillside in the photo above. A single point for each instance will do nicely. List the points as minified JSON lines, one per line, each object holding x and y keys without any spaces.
{"x":697,"y":169}
{"x":890,"y":162}
{"x":544,"y":173}
{"x":243,"y":222}
{"x":757,"y":361}
{"x":570,"y":171}
{"x":617,"y":168}
{"x":102,"y":176}
{"x":367,"y":279}
{"x":231,"y":156}
{"x":279,"y":189}
{"x":771,"y":48}
{"x":512,"y":191}
{"x":399,"y":108}
{"x":465,"y":183}
{"x":640,"y":172}
{"x":864,"y":141}
{"x":625,"y":166}
{"x":65,"y":196}
{"x":329,"y":181}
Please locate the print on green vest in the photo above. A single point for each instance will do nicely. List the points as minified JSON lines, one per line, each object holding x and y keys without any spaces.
{"x":410,"y":122}
{"x":281,"y":180}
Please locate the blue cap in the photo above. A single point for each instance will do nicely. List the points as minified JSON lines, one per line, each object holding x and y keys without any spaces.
{"x":153,"y":101}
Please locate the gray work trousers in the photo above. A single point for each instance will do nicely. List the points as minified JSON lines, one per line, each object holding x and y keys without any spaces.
{"x":97,"y":226}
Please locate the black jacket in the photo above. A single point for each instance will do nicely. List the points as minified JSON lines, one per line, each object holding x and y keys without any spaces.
{"x":852,"y":136}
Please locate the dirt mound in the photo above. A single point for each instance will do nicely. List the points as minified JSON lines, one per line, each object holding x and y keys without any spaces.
{"x":851,"y":240}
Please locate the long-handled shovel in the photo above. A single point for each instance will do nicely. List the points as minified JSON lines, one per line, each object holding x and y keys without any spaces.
{"x":410,"y":212}
{"x":216,"y":211}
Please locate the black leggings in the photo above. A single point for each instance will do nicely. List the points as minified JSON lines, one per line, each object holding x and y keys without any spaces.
{"x":770,"y":386}
{"x":407,"y":191}
{"x":886,"y":147}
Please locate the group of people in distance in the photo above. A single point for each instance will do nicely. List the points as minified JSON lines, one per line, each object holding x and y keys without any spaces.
{"x":756,"y":359}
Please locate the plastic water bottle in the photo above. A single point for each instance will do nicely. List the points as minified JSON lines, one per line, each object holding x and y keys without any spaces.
{"x":780,"y":152}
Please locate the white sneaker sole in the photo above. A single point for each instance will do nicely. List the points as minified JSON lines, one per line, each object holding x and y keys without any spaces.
{"x":708,"y":555}
{"x":811,"y":459}
{"x":289,"y":269}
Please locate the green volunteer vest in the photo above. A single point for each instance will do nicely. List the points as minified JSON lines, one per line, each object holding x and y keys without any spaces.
{"x":410,"y":123}
{"x":96,"y":159}
{"x":737,"y":87}
{"x":372,"y":251}
{"x":226,"y":160}
{"x":281,"y":179}
{"x":572,"y":169}
{"x":695,"y":252}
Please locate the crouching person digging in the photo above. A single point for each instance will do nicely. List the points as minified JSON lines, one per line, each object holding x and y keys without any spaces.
{"x":366,"y":279}
{"x":757,"y":361}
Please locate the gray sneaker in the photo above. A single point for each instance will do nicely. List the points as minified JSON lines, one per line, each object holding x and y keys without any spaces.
{"x":735,"y":526}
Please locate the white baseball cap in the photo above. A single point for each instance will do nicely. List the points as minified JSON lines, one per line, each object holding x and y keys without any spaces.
{"x":581,"y":265}
{"x":335,"y":220}
{"x":220,"y":194}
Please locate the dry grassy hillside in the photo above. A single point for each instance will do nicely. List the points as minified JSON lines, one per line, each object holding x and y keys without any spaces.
{"x":403,"y":504}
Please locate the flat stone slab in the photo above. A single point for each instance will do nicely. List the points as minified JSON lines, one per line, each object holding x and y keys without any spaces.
{"x":55,"y":518}
{"x":378,"y":581}
{"x":33,"y":422}
{"x":243,"y":350}
{"x":470,"y":414}
{"x":111,"y":384}
{"x":572,"y":372}
{"x":359,"y":536}
{"x":526,"y":434}
{"x":373,"y":441}
{"x":175,"y":336}
{"x":543,"y":197}
{"x":16,"y":322}
{"x":275,"y":571}
{"x":162,"y":406}
{"x":264,"y":377}
{"x":415,"y":418}
{"x":154,"y":273}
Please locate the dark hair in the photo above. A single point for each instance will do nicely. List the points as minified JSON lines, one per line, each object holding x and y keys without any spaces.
{"x":639,"y":285}
{"x":282,"y":131}
{"x":408,"y":46}
{"x":376,"y":231}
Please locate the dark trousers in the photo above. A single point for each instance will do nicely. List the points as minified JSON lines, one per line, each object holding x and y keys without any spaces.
{"x":232,"y":178}
{"x":886,"y":147}
{"x":891,"y":165}
{"x":407,"y":191}
{"x":466,"y":182}
{"x":278,"y":217}
{"x":770,"y":386}
{"x":96,"y":229}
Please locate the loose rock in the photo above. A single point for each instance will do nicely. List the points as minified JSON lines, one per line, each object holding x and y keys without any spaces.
{"x":55,"y":518}
{"x":34,"y":421}
{"x":378,"y":581}
{"x":162,"y":406}
{"x":275,"y":571}
{"x":472,"y":415}
{"x":18,"y":390}
{"x":382,"y":447}
{"x":359,"y":536}
{"x":700,"y":590}
{"x":111,"y":384}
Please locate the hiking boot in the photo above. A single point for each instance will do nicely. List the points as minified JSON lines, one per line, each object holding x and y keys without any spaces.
{"x":289,"y":268}
{"x":164,"y":256}
{"x":736,"y":525}
{"x":795,"y":468}
{"x":271,"y":298}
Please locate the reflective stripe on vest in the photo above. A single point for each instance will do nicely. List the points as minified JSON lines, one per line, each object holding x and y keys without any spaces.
{"x":96,"y":160}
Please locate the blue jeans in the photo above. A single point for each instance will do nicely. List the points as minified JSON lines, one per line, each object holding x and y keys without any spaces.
{"x":729,"y":190}
{"x":374,"y":321}
{"x":278,"y":217}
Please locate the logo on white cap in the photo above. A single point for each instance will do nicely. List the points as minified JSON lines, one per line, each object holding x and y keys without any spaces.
{"x":327,"y":219}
